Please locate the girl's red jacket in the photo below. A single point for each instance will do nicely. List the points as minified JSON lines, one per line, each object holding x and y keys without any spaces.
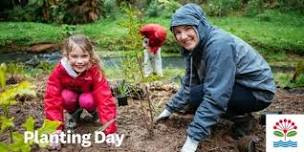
{"x":92,"y":81}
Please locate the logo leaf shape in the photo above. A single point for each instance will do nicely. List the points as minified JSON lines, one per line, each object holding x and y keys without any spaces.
{"x":291,"y":134}
{"x":278,"y":133}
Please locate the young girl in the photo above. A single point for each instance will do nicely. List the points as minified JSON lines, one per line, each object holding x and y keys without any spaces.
{"x":77,"y":83}
{"x":154,"y":37}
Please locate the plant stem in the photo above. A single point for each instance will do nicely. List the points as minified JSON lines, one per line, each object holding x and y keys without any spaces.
{"x":150,"y":106}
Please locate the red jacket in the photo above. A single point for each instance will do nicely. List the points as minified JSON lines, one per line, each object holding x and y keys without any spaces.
{"x":156,"y":35}
{"x":90,"y":81}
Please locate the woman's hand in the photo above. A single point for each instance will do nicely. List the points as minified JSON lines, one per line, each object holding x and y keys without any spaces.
{"x":163,"y":116}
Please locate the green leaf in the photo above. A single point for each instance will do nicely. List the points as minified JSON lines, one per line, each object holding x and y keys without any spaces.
{"x":48,"y":127}
{"x":278,"y":133}
{"x":8,"y":96}
{"x":18,"y":143}
{"x":6,"y":123}
{"x":29,"y":124}
{"x":3,"y":147}
{"x":2,"y":78}
{"x":291,"y":134}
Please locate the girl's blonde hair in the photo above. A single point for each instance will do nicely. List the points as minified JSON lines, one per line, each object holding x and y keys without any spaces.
{"x":84,"y":44}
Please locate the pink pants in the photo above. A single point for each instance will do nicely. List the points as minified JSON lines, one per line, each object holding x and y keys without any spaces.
{"x":72,"y":100}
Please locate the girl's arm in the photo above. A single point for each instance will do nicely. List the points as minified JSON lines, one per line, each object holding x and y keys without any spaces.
{"x":104,"y":100}
{"x":53,"y":108}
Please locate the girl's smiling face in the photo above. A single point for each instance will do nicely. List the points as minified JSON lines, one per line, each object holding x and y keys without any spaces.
{"x":186,"y":36}
{"x":79,"y":59}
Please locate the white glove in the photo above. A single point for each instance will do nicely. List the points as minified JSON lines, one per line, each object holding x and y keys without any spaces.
{"x":163,"y":116}
{"x":55,"y":145}
{"x":190,"y":145}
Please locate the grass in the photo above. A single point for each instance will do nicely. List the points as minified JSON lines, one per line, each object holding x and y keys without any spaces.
{"x":274,"y":34}
{"x":283,"y":80}
{"x":27,"y":33}
{"x":271,"y":30}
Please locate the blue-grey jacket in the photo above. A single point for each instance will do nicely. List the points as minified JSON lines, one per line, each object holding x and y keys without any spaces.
{"x":218,"y":62}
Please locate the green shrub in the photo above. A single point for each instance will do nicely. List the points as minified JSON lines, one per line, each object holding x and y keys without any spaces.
{"x":111,"y":9}
{"x":30,"y":12}
{"x":153,"y":9}
{"x":169,"y":7}
{"x":254,"y":7}
{"x":287,"y":5}
{"x":222,"y":7}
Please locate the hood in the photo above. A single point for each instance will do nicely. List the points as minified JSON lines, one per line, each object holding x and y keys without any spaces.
{"x":192,"y":14}
{"x":156,"y":35}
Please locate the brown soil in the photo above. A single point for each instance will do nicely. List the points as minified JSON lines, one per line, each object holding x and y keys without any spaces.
{"x":135,"y":123}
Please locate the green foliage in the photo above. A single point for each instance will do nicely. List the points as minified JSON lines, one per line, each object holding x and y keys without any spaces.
{"x":6,"y":123}
{"x":123,"y":88}
{"x":45,"y":66}
{"x":111,"y":9}
{"x":282,"y":79}
{"x":7,"y":97}
{"x":68,"y":30}
{"x":15,"y":68}
{"x":154,"y":9}
{"x":18,"y":145}
{"x":222,"y":7}
{"x":2,"y":75}
{"x":29,"y":124}
{"x":288,"y":5}
{"x":169,"y":7}
{"x":131,"y":64}
{"x":3,"y":147}
{"x":30,"y":12}
{"x":72,"y":11}
{"x":254,"y":7}
{"x":26,"y":33}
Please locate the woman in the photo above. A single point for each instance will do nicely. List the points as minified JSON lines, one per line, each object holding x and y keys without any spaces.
{"x":224,"y":75}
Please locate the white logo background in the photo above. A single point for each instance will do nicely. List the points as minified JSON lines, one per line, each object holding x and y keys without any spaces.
{"x":271,"y":120}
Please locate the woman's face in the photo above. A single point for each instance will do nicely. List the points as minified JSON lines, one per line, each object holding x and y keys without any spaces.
{"x":79,"y":59}
{"x":186,"y":36}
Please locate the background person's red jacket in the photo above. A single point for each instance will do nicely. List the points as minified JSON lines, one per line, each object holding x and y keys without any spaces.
{"x":92,"y":81}
{"x":156,"y":35}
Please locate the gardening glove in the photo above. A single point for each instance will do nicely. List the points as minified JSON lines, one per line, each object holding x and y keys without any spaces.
{"x":190,"y":145}
{"x":55,"y":145}
{"x":163,"y":116}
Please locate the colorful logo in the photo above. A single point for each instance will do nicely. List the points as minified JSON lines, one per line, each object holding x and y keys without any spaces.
{"x":285,"y":129}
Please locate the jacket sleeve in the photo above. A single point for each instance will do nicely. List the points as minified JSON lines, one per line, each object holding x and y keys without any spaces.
{"x":104,"y":100}
{"x":53,"y":107}
{"x":181,"y":98}
{"x":218,"y":86}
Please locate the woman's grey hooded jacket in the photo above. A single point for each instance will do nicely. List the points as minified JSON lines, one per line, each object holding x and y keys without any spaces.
{"x":218,"y":62}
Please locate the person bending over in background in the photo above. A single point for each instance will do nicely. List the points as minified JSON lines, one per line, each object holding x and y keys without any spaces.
{"x":154,"y":38}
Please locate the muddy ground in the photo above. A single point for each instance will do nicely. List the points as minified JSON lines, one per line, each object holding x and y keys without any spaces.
{"x":134,"y":122}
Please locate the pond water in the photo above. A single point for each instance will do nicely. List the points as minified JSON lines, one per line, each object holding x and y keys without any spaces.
{"x":34,"y":59}
{"x":108,"y":62}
